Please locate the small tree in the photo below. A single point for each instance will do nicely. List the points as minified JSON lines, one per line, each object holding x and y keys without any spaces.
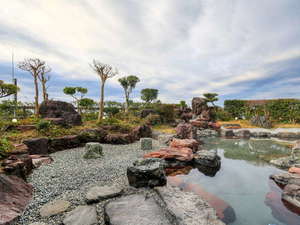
{"x":148,"y":95}
{"x":211,"y":97}
{"x":104,"y":71}
{"x":112,"y":108}
{"x":77,"y":93}
{"x":7,"y":89}
{"x":44,"y":78}
{"x":35,"y":67}
{"x":86,"y":103}
{"x":128,"y":83}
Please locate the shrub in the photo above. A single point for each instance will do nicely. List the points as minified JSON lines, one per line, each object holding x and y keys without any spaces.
{"x":166,"y":112}
{"x":153,"y":119}
{"x":43,"y":126}
{"x":222,"y":115}
{"x":5,"y":147}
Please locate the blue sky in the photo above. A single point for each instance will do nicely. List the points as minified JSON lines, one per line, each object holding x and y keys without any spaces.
{"x":237,"y":48}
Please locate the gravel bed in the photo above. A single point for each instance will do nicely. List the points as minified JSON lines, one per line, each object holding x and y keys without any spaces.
{"x":70,"y":176}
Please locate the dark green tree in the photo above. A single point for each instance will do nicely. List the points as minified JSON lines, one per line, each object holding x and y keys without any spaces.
{"x":7,"y":89}
{"x":148,"y":95}
{"x":128,"y":83}
{"x":211,"y":97}
{"x":77,"y":93}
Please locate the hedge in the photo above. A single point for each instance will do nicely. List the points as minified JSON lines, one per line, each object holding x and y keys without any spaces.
{"x":278,"y":110}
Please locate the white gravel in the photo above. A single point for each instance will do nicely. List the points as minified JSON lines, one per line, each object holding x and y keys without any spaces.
{"x":70,"y":175}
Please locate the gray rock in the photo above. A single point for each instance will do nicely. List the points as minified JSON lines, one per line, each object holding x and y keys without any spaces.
{"x":187,"y":207}
{"x":146,"y":143}
{"x":54,"y":208}
{"x":207,"y":133}
{"x":285,"y":162}
{"x":261,"y":134}
{"x":82,"y":215}
{"x":99,"y":193}
{"x":38,"y":223}
{"x":165,"y":139}
{"x":93,"y":150}
{"x":135,"y":209}
{"x":207,"y":158}
{"x":286,"y":178}
{"x":291,"y":194}
{"x":147,"y":173}
{"x":242,"y":133}
{"x":227,"y":133}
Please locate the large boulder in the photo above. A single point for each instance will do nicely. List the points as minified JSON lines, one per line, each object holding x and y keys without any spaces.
{"x":283,"y":179}
{"x":207,"y":162}
{"x":147,"y":173}
{"x":185,"y":143}
{"x":136,"y":209}
{"x":142,"y":131}
{"x":15,"y":195}
{"x":291,"y":194}
{"x":65,"y":142}
{"x":119,"y":139}
{"x":199,"y":105}
{"x":185,"y":131}
{"x":39,"y":146}
{"x":60,"y":109}
{"x":169,"y":153}
{"x":18,"y":165}
{"x":92,"y":135}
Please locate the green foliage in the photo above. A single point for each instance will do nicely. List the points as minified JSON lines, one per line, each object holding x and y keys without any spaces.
{"x":183,"y":104}
{"x":211,"y":97}
{"x":149,"y":95}
{"x":111,"y":108}
{"x":86,"y":103}
{"x":222,"y":115}
{"x":7,"y":89}
{"x":153,"y":119}
{"x":278,"y":110}
{"x":10,"y":109}
{"x":166,"y":112}
{"x":43,"y":126}
{"x":5,"y":147}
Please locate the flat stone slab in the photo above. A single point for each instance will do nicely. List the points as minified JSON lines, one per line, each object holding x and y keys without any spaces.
{"x":146,"y":143}
{"x":187,"y":207}
{"x":99,"y":193}
{"x":54,"y":208}
{"x":135,"y":210}
{"x":82,"y":215}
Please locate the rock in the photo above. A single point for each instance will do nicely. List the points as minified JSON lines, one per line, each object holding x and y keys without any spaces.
{"x":242,"y":133}
{"x":147,"y":112}
{"x":207,"y":133}
{"x":19,"y":149}
{"x":227,"y":133}
{"x":15,"y":195}
{"x":93,"y":150}
{"x":99,"y":193}
{"x":62,"y":143}
{"x":214,"y":125}
{"x":38,"y":223}
{"x":60,"y":109}
{"x":207,"y":159}
{"x":92,"y":135}
{"x":82,"y":215}
{"x":142,"y":131}
{"x":199,"y":105}
{"x":296,"y":146}
{"x":37,"y":146}
{"x":184,"y":131}
{"x":23,"y":128}
{"x":261,"y":134}
{"x":287,"y":135}
{"x":147,"y":173}
{"x":285,"y":162}
{"x":39,"y":160}
{"x":18,"y":165}
{"x":199,"y":123}
{"x":180,"y":154}
{"x":146,"y":143}
{"x":294,"y":170}
{"x":54,"y":208}
{"x":56,"y":121}
{"x":119,"y":139}
{"x":185,"y":143}
{"x":187,"y":207}
{"x":186,"y":117}
{"x":136,"y":209}
{"x":286,"y":178}
{"x":291,"y":194}
{"x":165,"y":139}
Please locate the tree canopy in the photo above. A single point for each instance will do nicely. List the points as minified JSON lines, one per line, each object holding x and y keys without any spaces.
{"x":128,"y":83}
{"x":7,"y":89}
{"x":211,"y":97}
{"x":148,"y":94}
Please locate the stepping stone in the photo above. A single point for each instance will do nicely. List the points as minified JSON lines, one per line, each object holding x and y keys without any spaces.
{"x":54,"y":208}
{"x":99,"y":193}
{"x":93,"y":150}
{"x":82,"y":215}
{"x":146,"y":144}
{"x":187,"y":207}
{"x":134,"y":210}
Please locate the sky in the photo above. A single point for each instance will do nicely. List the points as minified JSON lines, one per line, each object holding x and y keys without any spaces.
{"x":240,"y":49}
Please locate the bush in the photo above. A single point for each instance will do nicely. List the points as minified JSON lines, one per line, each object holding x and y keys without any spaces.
{"x":222,"y":115}
{"x":153,"y":119}
{"x":5,"y":147}
{"x":43,"y":126}
{"x":166,"y":112}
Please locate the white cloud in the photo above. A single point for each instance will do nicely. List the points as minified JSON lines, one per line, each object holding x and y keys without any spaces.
{"x":183,"y":48}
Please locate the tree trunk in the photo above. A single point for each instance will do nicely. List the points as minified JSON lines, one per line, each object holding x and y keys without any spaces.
{"x":126,"y":101}
{"x":101,"y":103}
{"x":36,"y":98}
{"x":45,"y":96}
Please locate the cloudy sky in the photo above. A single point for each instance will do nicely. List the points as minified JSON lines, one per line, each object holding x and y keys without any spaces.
{"x":248,"y":49}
